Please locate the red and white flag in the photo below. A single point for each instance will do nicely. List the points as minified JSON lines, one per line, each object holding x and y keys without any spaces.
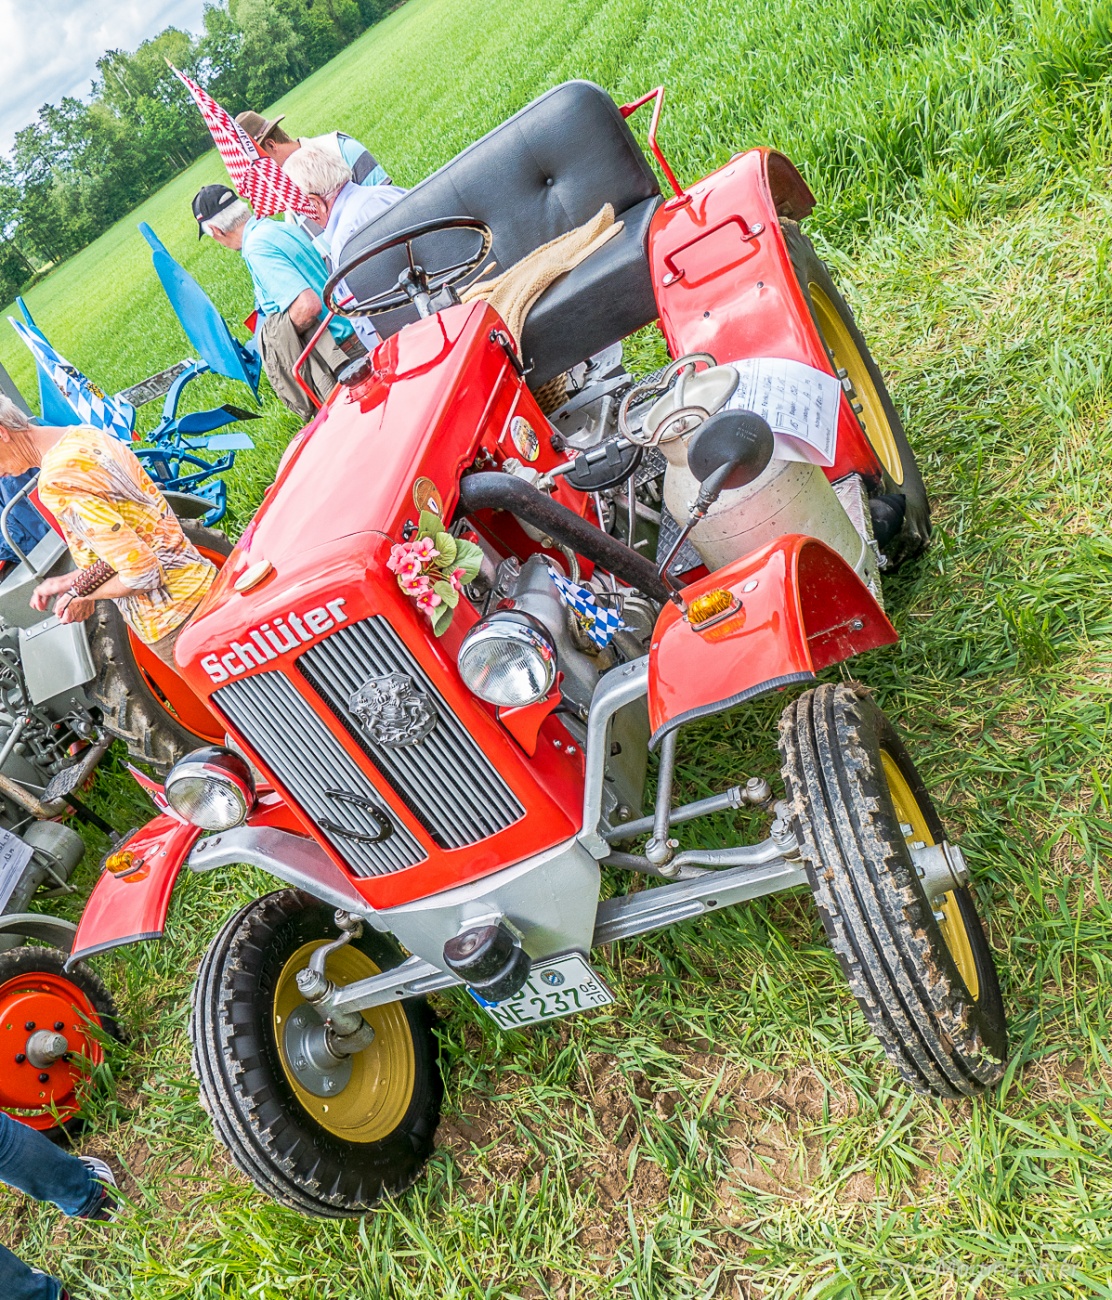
{"x":255,"y":177}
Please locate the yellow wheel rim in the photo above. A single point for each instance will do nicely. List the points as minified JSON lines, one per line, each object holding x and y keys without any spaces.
{"x":383,"y":1075}
{"x":952,"y":924}
{"x":847,"y":356}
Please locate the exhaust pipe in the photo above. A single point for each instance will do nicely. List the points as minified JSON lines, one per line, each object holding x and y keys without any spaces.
{"x":498,"y":491}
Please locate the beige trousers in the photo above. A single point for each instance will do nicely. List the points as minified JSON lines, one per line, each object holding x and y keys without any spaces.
{"x":164,"y":646}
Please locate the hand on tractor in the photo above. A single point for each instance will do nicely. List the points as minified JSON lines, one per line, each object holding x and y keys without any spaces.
{"x":74,"y":609}
{"x":76,"y":606}
{"x":45,"y":591}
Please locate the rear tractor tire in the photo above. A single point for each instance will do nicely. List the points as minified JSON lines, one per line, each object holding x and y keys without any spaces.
{"x":920,"y":967}
{"x":865,"y":388}
{"x":40,"y":999}
{"x":132,"y":707}
{"x":325,"y":1143}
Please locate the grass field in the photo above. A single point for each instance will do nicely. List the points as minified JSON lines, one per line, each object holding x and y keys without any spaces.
{"x":730,"y":1127}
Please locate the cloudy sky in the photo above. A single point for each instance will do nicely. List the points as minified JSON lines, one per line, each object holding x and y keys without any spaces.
{"x":50,"y":47}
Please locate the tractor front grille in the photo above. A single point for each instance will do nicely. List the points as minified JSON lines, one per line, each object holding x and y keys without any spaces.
{"x":445,"y":780}
{"x":280,"y":725}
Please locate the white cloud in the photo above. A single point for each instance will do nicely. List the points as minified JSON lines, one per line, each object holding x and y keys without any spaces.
{"x":50,"y":47}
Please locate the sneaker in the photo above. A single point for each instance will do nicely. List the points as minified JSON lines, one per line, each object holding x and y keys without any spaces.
{"x":106,"y":1211}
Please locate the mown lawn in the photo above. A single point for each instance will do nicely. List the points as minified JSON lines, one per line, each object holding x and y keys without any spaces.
{"x":730,"y":1127}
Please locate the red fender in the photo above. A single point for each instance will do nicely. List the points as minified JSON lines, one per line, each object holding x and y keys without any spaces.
{"x":799,"y":608}
{"x":127,"y":908}
{"x":725,"y":285}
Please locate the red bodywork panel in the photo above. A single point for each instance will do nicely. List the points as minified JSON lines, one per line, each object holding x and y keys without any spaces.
{"x":725,"y":284}
{"x":126,"y":909}
{"x":801,"y":608}
{"x":441,"y":393}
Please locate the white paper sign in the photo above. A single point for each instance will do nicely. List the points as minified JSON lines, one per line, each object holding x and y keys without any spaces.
{"x":799,"y":402}
{"x":14,"y":856}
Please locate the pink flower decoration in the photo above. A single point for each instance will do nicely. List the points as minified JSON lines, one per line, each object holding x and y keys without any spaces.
{"x":427,"y":601}
{"x":424,"y":549}
{"x":454,"y":579}
{"x":410,"y":567}
{"x":398,"y":555}
{"x":413,"y":584}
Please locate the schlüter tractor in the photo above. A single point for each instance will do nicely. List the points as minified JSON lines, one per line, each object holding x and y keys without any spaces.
{"x":491,"y":578}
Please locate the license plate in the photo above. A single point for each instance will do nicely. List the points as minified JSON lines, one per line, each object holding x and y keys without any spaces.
{"x":557,"y":987}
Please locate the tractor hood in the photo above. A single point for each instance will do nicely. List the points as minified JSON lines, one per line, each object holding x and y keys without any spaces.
{"x":348,"y":484}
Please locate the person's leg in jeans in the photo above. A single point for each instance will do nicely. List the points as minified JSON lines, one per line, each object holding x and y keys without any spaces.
{"x":33,"y":1164}
{"x":18,"y":1282}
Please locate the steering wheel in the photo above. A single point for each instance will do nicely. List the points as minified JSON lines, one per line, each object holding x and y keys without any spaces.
{"x":415,"y":284}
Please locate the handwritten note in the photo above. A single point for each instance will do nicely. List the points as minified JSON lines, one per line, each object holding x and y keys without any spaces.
{"x":14,"y":857}
{"x":799,"y":402}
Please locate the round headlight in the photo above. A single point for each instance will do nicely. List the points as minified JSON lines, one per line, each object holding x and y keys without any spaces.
{"x":211,"y":788}
{"x":507,"y":662}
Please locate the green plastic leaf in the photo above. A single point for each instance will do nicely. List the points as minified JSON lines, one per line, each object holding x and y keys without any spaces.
{"x":441,"y":619}
{"x":446,"y":544}
{"x":469,"y":558}
{"x":429,"y":525}
{"x":447,"y":593}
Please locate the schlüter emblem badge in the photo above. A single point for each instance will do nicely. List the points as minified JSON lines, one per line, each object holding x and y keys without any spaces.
{"x":393,"y":710}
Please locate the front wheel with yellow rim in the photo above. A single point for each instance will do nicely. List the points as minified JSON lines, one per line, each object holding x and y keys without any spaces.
{"x":324,"y":1133}
{"x":900,"y":507}
{"x":892,"y":892}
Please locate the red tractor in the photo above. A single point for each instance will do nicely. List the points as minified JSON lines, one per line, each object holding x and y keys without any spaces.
{"x":442,"y":654}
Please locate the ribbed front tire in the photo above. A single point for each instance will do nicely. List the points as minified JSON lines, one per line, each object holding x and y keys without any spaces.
{"x":331,"y":1156}
{"x":921,"y":969}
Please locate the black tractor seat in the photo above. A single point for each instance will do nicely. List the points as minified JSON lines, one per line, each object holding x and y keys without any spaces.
{"x":545,"y":171}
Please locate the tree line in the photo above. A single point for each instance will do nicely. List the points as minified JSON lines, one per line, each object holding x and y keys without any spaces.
{"x":80,"y":167}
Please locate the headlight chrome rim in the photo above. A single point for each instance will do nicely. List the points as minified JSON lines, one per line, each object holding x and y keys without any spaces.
{"x":480,"y":672}
{"x":212,"y":788}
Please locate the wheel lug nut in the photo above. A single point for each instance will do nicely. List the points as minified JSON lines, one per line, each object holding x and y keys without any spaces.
{"x":44,"y":1077}
{"x":20,"y":1058}
{"x":59,"y":1025}
{"x":29,"y":1025}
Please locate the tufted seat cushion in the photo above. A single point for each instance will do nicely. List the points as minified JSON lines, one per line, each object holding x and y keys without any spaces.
{"x":546,"y":170}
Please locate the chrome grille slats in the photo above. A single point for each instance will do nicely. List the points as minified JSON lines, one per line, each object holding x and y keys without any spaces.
{"x":446,"y":779}
{"x":308,"y":760}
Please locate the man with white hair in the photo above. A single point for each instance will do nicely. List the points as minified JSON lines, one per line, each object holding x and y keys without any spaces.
{"x":273,"y":142}
{"x":340,"y":208}
{"x":288,"y":275}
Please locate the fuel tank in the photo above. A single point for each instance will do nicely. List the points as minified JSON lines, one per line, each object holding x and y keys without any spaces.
{"x":788,"y":497}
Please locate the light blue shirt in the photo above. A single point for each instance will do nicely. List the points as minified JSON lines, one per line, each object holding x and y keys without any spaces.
{"x":283,"y":264}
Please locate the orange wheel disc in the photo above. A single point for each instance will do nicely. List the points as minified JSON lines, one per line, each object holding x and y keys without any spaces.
{"x":46,"y":1094}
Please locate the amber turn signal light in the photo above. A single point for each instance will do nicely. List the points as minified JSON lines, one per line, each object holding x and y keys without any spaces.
{"x":122,"y":863}
{"x":710,"y":606}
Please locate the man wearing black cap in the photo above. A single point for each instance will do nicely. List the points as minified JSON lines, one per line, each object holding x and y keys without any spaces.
{"x":288,"y":276}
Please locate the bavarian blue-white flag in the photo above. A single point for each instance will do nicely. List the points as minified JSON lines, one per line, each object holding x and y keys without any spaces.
{"x":599,"y":622}
{"x":90,"y":404}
